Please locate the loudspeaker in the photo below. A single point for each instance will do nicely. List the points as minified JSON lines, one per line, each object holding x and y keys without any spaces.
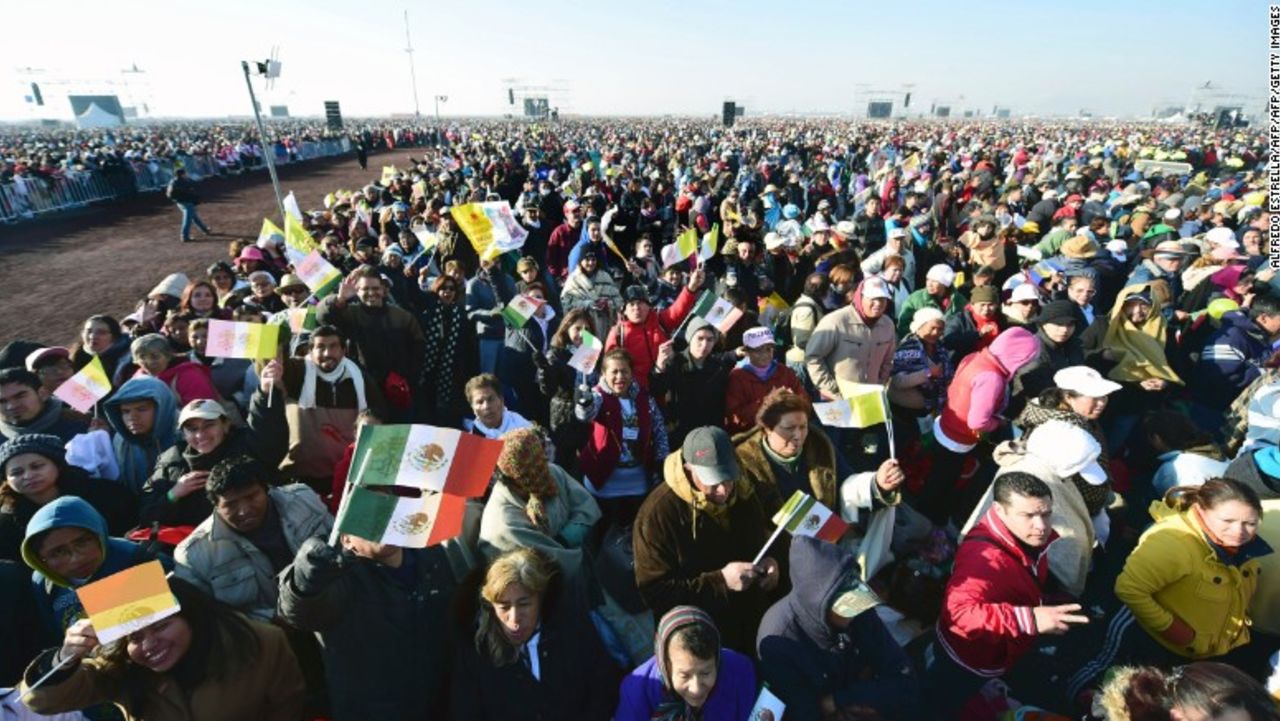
{"x":511,"y":96}
{"x":35,"y":93}
{"x":333,"y":115}
{"x":729,"y":114}
{"x":906,"y":103}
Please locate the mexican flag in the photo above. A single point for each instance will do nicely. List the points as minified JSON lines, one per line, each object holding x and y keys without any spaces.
{"x":520,"y":310}
{"x":802,"y":515}
{"x":585,"y":357}
{"x":428,"y":458}
{"x":407,"y":517}
{"x":719,"y":312}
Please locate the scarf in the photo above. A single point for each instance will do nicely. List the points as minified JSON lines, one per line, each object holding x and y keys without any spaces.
{"x":443,"y":331}
{"x":672,"y":707}
{"x":1141,"y":350}
{"x":345,"y":370}
{"x":51,"y":414}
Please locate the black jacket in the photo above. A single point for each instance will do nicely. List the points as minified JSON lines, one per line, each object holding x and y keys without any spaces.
{"x":113,"y":500}
{"x":694,"y":397}
{"x":182,"y":190}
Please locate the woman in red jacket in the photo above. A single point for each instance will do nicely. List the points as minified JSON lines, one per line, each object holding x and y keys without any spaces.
{"x":640,"y":330}
{"x":627,"y":440}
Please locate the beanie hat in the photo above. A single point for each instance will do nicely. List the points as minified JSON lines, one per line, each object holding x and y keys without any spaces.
{"x":695,"y":325}
{"x":522,"y":465}
{"x":923,"y":317}
{"x":942,"y":273}
{"x":671,"y":622}
{"x":1058,"y":312}
{"x":985,"y":294}
{"x":47,"y":445}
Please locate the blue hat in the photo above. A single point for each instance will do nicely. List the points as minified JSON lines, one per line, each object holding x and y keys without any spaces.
{"x":1268,"y":460}
{"x":790,"y":211}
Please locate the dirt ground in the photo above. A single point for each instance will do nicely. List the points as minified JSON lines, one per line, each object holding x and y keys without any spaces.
{"x":56,"y":272}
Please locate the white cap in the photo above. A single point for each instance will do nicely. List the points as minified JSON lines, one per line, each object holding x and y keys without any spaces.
{"x":1026,"y":291}
{"x":1222,"y":236}
{"x":1172,"y":214}
{"x":873,"y":288}
{"x":942,"y":273}
{"x":204,"y":409}
{"x":1068,"y":449}
{"x":898,"y":233}
{"x":1050,"y":194}
{"x":1117,"y":247}
{"x":757,"y":337}
{"x":1085,"y":381}
{"x":773,"y":241}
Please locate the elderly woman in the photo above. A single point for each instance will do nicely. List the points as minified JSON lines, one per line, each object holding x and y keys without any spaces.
{"x":536,"y":504}
{"x":188,"y":379}
{"x":592,"y":289}
{"x":36,"y":472}
{"x":690,"y":675}
{"x":530,"y":655}
{"x":451,"y":354}
{"x":262,"y":293}
{"x":782,"y":455}
{"x":922,"y":370}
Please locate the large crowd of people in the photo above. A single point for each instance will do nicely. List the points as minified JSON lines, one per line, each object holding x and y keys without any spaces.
{"x":1067,"y":503}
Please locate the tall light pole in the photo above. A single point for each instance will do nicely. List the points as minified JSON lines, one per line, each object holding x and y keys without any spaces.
{"x":440,"y":99}
{"x":413,"y":76}
{"x":270,"y":69}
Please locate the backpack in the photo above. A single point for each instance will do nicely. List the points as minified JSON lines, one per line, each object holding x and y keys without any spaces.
{"x":782,"y":323}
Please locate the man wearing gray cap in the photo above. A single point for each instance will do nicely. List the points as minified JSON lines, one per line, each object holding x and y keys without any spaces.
{"x":696,"y":534}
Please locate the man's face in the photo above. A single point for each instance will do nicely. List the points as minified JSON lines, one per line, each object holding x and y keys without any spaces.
{"x":717,"y":494}
{"x":327,"y":352}
{"x":370,"y":292}
{"x":1253,"y":242}
{"x":636,"y":311}
{"x":198,"y":338}
{"x":1270,"y":323}
{"x":20,"y":404}
{"x":139,"y":417}
{"x":593,"y":233}
{"x":1028,"y":519}
{"x":71,"y":552}
{"x":487,"y":406}
{"x":704,"y":341}
{"x":1168,"y":262}
{"x":244,"y":509}
{"x":874,"y":308}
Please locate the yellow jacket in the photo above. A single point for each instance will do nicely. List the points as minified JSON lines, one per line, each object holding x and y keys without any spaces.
{"x":1175,"y":571}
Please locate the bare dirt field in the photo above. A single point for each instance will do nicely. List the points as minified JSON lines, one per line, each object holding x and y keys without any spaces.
{"x":56,"y":272}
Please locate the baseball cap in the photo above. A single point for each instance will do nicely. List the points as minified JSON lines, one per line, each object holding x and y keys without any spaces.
{"x":41,"y":356}
{"x":898,"y":233}
{"x":204,"y":409}
{"x":1084,"y":380}
{"x":758,"y":337}
{"x":854,"y":597}
{"x":708,"y":450}
{"x":873,"y":288}
{"x":1026,"y":291}
{"x":1222,"y":236}
{"x":1069,"y":449}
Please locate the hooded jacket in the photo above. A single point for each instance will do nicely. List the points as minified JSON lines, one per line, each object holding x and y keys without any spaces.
{"x":980,"y":392}
{"x":642,"y":340}
{"x":56,"y":600}
{"x":694,"y":394}
{"x":987,"y":620}
{"x":137,"y":455}
{"x":1230,"y":361}
{"x":746,"y":390}
{"x":681,"y":541}
{"x":803,"y":658}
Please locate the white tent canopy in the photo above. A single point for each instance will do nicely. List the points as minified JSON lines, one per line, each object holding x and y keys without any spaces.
{"x":96,"y":117}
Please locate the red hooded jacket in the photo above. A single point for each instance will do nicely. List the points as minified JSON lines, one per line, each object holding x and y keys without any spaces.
{"x":642,"y":341}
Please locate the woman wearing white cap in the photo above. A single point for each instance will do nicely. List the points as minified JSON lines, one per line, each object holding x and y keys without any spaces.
{"x":895,"y":244}
{"x":922,"y":370}
{"x":938,"y":293}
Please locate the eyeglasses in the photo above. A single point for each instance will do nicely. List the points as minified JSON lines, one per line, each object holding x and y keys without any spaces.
{"x":68,"y":551}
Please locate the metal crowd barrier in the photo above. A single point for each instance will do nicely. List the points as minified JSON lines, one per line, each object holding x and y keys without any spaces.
{"x":31,"y":197}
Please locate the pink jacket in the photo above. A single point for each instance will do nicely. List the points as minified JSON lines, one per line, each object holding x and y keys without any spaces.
{"x":980,"y":388}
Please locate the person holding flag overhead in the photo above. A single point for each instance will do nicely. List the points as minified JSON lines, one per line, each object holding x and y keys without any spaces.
{"x":692,"y":383}
{"x":824,"y":650}
{"x":695,"y":535}
{"x":326,"y":590}
{"x":641,"y":331}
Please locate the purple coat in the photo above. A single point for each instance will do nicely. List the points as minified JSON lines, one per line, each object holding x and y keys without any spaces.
{"x":730,"y":700}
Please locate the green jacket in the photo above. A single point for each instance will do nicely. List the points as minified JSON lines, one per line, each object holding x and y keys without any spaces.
{"x":921,"y":299}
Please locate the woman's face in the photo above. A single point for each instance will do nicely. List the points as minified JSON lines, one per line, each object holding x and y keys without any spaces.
{"x":205,"y":434}
{"x":691,"y":677}
{"x":788,"y":437}
{"x":160,"y":646}
{"x":1058,"y":332}
{"x":1137,"y":312}
{"x":518,"y":610}
{"x":1081,"y":292}
{"x":575,"y":331}
{"x":892,"y":273}
{"x":617,"y":376}
{"x":96,"y":336}
{"x":262,"y":288}
{"x":1090,"y":408}
{"x":222,"y":280}
{"x":154,"y":362}
{"x":32,"y":475}
{"x":71,"y":552}
{"x":448,"y":293}
{"x":931,"y":332}
{"x":202,"y":300}
{"x":1232,"y":522}
{"x":487,"y":406}
{"x":528,"y":274}
{"x":588,"y":264}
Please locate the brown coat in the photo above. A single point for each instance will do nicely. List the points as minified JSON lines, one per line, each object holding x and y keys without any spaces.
{"x":819,"y":461}
{"x":269,"y":690}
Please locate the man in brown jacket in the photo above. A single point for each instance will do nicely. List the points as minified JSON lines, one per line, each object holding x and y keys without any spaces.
{"x":696,"y":534}
{"x":854,"y":343}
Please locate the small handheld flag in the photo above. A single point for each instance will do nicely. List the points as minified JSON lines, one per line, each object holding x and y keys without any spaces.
{"x":407,"y":517}
{"x":445,"y":460}
{"x":585,"y":357}
{"x":125,"y":602}
{"x":319,"y":275}
{"x":520,"y":310}
{"x":229,"y":339}
{"x":83,"y":390}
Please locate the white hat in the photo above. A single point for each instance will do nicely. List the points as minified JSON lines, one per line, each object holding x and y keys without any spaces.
{"x":898,"y":233}
{"x":172,"y":286}
{"x":1117,"y":247}
{"x":845,"y":229}
{"x":1068,"y":449}
{"x":1172,"y":214}
{"x":1050,"y":194}
{"x":757,"y":337}
{"x":925,"y":315}
{"x":873,"y":288}
{"x":205,"y":409}
{"x":1223,"y":237}
{"x":1085,"y":381}
{"x":1026,"y":291}
{"x":942,"y":273}
{"x":773,"y":241}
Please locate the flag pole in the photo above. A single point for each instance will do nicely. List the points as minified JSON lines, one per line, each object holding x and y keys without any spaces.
{"x":772,"y":538}
{"x":40,"y":681}
{"x":888,"y":420}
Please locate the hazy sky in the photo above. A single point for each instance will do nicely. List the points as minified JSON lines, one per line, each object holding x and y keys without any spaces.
{"x":653,"y":57}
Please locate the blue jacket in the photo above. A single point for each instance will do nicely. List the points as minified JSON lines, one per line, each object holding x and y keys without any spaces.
{"x":803,"y":658}
{"x":56,"y":600}
{"x":1231,"y":360}
{"x":485,"y":301}
{"x":731,"y":700}
{"x":137,"y":455}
